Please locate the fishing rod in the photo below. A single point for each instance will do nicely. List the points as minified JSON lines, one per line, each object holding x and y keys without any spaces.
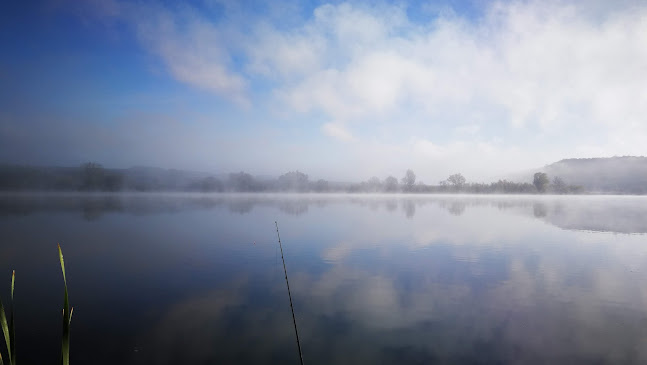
{"x":289,"y":295}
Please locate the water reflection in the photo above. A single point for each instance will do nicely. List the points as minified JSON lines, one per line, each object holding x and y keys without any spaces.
{"x":595,"y":213}
{"x":539,"y":210}
{"x":456,"y":207}
{"x":161,"y":279}
{"x":409,"y":208}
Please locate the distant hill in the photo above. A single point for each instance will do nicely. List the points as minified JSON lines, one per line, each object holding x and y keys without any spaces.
{"x":620,"y":175}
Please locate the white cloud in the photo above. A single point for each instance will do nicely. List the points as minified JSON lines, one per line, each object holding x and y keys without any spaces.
{"x":470,"y":129}
{"x":337,"y":131}
{"x":195,"y":50}
{"x":284,"y":54}
{"x":538,"y":63}
{"x":429,"y":149}
{"x":526,"y":83}
{"x":534,"y":63}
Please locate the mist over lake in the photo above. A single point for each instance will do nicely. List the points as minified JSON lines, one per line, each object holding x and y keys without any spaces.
{"x":383,"y":279}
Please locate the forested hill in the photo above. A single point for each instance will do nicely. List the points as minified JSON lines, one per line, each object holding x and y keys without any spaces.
{"x":624,"y":175}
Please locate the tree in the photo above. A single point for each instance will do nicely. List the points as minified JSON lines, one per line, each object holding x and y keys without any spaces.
{"x":373,"y":184}
{"x":559,"y":186}
{"x":321,"y":185}
{"x":113,"y":181}
{"x":409,"y":180}
{"x":96,"y":178}
{"x":293,"y":180}
{"x":93,"y":174}
{"x":540,"y":181}
{"x":391,"y":184}
{"x":457,"y":180}
{"x":242,"y":181}
{"x":210,"y":184}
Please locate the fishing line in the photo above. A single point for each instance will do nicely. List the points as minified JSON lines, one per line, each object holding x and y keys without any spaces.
{"x":289,"y":295}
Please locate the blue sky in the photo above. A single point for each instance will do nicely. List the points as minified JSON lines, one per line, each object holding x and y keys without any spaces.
{"x":340,"y":90}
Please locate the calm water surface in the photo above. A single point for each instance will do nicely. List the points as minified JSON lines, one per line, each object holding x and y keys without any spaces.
{"x":197,"y":279}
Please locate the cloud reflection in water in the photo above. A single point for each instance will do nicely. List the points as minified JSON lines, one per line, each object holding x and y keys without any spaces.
{"x":445,"y":278}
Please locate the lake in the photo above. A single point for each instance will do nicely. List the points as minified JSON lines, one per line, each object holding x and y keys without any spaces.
{"x":390,"y":279}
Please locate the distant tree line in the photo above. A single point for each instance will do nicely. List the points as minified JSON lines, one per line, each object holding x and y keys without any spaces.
{"x":456,"y":183}
{"x":88,"y":177}
{"x":95,"y":178}
{"x":92,"y":176}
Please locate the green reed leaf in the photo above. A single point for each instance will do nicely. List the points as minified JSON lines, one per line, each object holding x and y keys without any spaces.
{"x":5,"y":330}
{"x":65,"y":344}
{"x":12,"y":329}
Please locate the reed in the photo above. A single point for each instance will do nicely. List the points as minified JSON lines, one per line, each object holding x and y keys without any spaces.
{"x":67,"y":316}
{"x":9,"y":330}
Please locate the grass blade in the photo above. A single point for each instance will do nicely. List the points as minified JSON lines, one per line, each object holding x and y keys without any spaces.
{"x":5,"y":330}
{"x":65,"y":343}
{"x":12,"y":329}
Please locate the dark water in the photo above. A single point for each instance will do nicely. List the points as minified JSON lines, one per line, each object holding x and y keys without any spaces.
{"x":197,"y":279}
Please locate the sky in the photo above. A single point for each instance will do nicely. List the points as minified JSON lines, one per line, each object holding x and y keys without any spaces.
{"x":338,"y":90}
